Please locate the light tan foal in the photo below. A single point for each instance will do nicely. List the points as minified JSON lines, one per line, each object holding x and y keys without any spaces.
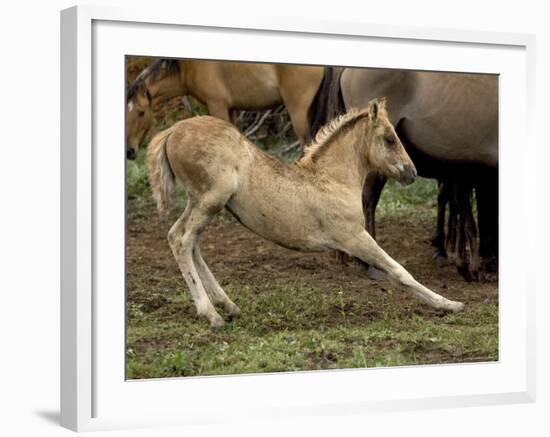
{"x":311,"y":206}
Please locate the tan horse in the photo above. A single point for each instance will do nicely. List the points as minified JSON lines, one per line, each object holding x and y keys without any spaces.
{"x":222,"y":87}
{"x":313,"y":205}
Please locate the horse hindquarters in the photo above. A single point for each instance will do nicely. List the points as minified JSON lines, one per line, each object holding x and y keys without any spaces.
{"x":183,"y":238}
{"x":298,"y":89}
{"x":207,"y":162}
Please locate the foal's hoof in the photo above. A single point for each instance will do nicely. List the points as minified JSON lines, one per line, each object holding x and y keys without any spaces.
{"x":217,"y":322}
{"x":234,"y":311}
{"x":455,"y":307}
{"x":375,"y":274}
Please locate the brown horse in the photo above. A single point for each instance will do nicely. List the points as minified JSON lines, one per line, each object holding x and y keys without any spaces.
{"x":222,"y":87}
{"x":312,"y":205}
{"x":448,"y":123}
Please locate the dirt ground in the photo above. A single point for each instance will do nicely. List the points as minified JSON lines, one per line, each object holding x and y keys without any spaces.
{"x":239,"y":257}
{"x":300,"y":311}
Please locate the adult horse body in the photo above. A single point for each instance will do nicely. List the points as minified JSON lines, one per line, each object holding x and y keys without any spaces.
{"x":448,"y":117}
{"x":448,"y":123}
{"x":222,"y":87}
{"x":312,"y":205}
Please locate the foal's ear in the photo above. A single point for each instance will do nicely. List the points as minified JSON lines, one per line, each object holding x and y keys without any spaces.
{"x":375,"y":106}
{"x":374,"y":109}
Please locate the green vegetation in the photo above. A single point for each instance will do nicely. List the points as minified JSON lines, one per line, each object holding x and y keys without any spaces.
{"x":295,"y":328}
{"x":399,"y":201}
{"x":137,"y":184}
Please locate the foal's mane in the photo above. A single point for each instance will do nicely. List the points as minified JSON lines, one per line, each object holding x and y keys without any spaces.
{"x":170,"y":66}
{"x":332,"y":130}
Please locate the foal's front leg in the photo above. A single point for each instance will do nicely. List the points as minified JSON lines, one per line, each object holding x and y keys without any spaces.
{"x":365,"y":248}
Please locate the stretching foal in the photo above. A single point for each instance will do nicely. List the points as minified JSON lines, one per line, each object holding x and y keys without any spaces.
{"x":312,"y":205}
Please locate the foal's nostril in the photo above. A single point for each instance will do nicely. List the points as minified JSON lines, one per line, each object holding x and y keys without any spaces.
{"x":408,"y":175}
{"x":130,"y":154}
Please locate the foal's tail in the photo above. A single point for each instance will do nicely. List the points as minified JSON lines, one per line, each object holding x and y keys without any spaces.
{"x":161,"y":176}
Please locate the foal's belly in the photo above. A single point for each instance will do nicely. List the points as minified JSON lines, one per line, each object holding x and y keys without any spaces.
{"x":285,"y":223}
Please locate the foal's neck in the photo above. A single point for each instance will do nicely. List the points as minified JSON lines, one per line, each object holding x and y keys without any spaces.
{"x":344,"y":159}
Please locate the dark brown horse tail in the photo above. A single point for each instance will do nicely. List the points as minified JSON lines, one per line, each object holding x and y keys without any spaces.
{"x":328,"y":102}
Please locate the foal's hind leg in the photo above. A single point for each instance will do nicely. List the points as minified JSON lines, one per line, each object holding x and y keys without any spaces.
{"x":183,"y":237}
{"x":215,"y":291}
{"x":365,"y":248}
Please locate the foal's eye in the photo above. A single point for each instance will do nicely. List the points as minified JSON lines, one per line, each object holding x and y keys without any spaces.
{"x":390,"y":141}
{"x":141,"y":113}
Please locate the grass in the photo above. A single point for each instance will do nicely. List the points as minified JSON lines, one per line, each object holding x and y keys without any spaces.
{"x":399,"y":201}
{"x":137,"y":184}
{"x":281,"y":330}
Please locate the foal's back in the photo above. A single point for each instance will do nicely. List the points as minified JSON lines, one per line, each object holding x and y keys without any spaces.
{"x":219,"y":166}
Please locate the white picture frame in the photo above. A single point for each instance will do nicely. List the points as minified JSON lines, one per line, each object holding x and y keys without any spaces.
{"x":94,"y":394}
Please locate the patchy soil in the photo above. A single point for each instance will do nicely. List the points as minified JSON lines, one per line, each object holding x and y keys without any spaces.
{"x":266,"y":281}
{"x":239,"y":257}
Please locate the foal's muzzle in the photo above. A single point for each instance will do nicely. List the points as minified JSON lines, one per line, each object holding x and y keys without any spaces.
{"x":407,"y":175}
{"x":130,"y":153}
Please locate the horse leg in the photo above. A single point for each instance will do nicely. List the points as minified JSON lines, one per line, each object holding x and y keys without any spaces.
{"x":364,"y":247}
{"x":298,"y":94}
{"x":451,"y":221}
{"x":461,"y":196}
{"x":471,"y":236}
{"x":487,"y":216}
{"x":372,"y":190}
{"x":450,"y":241}
{"x":182,"y":238}
{"x":213,"y":288}
{"x":219,"y":109}
{"x":438,"y":237}
{"x":298,"y":112}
